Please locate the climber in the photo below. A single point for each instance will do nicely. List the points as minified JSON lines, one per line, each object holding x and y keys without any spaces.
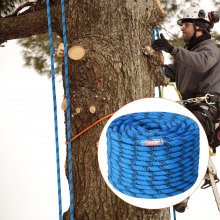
{"x":196,"y":68}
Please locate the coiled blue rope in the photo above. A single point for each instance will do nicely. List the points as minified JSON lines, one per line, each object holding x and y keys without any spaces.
{"x":68,"y":114}
{"x":153,"y":154}
{"x":55,"y":107}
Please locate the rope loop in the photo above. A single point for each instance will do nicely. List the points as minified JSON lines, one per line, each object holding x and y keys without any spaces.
{"x":167,"y":168}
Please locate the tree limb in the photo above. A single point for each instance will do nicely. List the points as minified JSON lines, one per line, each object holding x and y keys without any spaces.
{"x":28,"y":24}
{"x":15,"y":13}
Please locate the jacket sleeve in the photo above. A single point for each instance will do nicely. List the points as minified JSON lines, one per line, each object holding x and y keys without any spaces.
{"x":200,"y":61}
{"x":170,"y":72}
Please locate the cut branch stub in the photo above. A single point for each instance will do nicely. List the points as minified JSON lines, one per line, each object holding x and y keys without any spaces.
{"x":63,"y":105}
{"x":76,"y":52}
{"x":60,"y":50}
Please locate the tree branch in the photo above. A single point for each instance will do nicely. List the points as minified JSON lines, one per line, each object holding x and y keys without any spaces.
{"x":15,"y":13}
{"x":28,"y":24}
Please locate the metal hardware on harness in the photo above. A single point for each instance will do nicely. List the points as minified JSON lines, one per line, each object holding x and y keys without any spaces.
{"x":208,"y":97}
{"x":198,"y":100}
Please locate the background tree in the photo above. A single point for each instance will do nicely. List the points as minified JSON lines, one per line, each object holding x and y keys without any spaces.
{"x":7,"y":6}
{"x":114,"y":72}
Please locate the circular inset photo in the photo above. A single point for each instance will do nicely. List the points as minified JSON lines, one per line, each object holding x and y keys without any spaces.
{"x":153,"y":153}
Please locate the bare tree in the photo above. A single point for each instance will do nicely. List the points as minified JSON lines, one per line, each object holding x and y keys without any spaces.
{"x":113,"y":72}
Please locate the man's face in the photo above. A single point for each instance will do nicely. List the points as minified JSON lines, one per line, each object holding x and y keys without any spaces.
{"x":187,"y":31}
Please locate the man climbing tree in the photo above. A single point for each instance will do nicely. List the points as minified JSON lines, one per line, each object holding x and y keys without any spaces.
{"x":113,"y":72}
{"x":196,"y":72}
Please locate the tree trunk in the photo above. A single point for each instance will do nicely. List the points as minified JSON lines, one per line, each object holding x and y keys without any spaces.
{"x":113,"y":72}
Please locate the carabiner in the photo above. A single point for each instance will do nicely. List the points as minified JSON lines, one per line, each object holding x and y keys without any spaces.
{"x":207,"y":96}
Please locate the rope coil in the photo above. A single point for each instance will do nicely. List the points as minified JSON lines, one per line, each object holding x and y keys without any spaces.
{"x":160,"y":171}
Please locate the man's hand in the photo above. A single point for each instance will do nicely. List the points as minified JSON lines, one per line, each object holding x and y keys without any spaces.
{"x":162,"y":44}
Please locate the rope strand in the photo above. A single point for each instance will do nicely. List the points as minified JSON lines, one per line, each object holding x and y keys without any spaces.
{"x":68,"y":118}
{"x":90,"y":126}
{"x":55,"y":108}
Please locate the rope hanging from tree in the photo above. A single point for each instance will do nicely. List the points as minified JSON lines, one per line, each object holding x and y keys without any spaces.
{"x":55,"y":108}
{"x":68,"y":114}
{"x":67,"y":110}
{"x":138,"y":168}
{"x":155,"y":33}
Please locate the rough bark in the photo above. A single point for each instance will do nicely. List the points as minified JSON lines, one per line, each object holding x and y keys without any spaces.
{"x":113,"y":72}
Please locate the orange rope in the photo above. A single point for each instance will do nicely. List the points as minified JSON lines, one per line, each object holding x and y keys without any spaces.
{"x":90,"y":126}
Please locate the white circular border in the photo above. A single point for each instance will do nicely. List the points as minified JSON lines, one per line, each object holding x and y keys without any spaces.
{"x":154,"y":105}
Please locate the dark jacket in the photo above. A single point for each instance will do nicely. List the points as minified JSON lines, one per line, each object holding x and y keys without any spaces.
{"x":196,"y":72}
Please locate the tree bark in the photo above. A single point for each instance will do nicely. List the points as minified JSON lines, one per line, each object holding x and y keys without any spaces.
{"x":113,"y":72}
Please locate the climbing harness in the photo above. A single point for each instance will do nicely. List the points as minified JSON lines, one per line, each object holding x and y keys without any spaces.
{"x":205,"y":98}
{"x":211,"y":178}
{"x":205,"y":108}
{"x":55,"y":107}
{"x":158,"y":170}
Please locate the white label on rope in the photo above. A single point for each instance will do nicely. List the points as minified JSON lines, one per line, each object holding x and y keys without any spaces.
{"x":155,"y":142}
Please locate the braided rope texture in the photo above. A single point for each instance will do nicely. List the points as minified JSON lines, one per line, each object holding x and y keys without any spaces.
{"x":68,"y":113}
{"x":153,"y":172}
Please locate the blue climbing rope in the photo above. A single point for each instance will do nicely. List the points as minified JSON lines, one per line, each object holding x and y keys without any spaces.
{"x":68,"y":114}
{"x":67,"y":110}
{"x":155,"y":33}
{"x":55,"y":107}
{"x":174,"y":214}
{"x":152,"y":154}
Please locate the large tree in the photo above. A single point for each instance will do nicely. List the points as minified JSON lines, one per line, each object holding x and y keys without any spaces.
{"x":113,"y":72}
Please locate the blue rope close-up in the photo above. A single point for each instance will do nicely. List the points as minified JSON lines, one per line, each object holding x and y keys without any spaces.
{"x":55,"y":107}
{"x":153,"y":154}
{"x":68,"y":114}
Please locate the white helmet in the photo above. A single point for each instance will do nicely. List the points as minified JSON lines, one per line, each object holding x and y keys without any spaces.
{"x":194,"y":13}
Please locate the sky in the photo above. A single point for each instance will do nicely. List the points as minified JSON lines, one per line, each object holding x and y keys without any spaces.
{"x":28,"y":185}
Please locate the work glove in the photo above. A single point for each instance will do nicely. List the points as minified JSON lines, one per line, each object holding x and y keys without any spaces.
{"x":162,"y":44}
